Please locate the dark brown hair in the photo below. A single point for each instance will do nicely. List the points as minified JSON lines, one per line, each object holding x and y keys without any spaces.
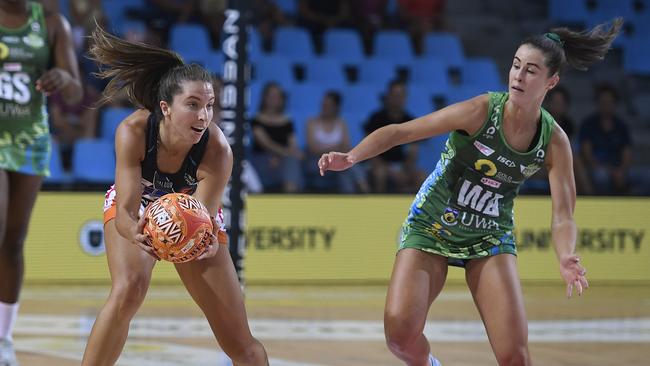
{"x":265,"y":92}
{"x":335,"y":96}
{"x":148,"y":74}
{"x":579,"y":50}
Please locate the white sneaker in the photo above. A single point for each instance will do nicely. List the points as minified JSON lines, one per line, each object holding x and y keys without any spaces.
{"x":434,"y":361}
{"x":7,"y":353}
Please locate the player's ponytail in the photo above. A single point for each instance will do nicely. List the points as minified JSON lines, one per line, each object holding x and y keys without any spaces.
{"x":563,"y":46}
{"x":148,"y":74}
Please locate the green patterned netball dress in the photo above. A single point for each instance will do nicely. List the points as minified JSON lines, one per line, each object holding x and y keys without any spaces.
{"x":24,"y":132}
{"x":464,"y":209}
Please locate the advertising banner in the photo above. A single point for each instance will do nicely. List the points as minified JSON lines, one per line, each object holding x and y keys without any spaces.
{"x":343,"y":239}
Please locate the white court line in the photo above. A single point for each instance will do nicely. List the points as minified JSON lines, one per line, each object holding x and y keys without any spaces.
{"x":592,"y":330}
{"x":157,"y":293}
{"x":140,"y":353}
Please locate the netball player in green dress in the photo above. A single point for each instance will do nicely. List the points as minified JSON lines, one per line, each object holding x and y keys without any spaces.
{"x":463,"y":213}
{"x":36,"y":59}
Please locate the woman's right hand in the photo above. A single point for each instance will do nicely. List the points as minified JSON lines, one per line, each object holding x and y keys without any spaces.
{"x":141,"y":239}
{"x":335,"y":161}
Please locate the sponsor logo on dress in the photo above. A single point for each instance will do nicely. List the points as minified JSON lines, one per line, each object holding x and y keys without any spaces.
{"x":34,"y":40}
{"x":529,"y":170}
{"x":479,"y":199}
{"x":474,"y":221}
{"x":490,"y":182}
{"x":489,"y":133}
{"x":10,"y":39}
{"x":4,"y":51}
{"x":485,"y":150}
{"x":505,"y":161}
{"x":14,"y":87}
{"x":480,"y":164}
{"x":161,"y":182}
{"x":504,"y":177}
{"x":190,"y":180}
{"x":450,"y":217}
{"x":12,"y":66}
{"x":488,"y":168}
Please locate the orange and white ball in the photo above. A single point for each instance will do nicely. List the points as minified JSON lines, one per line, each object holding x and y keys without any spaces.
{"x":179,"y":227}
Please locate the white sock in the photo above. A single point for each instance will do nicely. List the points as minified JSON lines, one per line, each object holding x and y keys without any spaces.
{"x":434,"y":361}
{"x":8,"y":313}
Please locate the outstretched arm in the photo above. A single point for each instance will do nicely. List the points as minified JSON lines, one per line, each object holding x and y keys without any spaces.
{"x":563,"y":195}
{"x":467,"y":116}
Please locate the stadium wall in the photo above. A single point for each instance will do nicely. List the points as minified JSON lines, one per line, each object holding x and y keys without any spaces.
{"x":311,"y":239}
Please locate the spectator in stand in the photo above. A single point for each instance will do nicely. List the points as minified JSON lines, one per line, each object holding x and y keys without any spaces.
{"x":329,"y":132}
{"x":266,"y":17}
{"x":212,"y":14}
{"x":368,"y":16}
{"x":558,"y":101}
{"x":160,"y":15}
{"x":421,"y":17}
{"x":72,"y":122}
{"x":605,"y":144}
{"x":276,"y":155}
{"x":318,"y":15}
{"x":395,"y":170}
{"x":83,"y":15}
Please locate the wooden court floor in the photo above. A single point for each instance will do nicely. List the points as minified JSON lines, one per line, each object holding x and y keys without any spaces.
{"x":339,"y":326}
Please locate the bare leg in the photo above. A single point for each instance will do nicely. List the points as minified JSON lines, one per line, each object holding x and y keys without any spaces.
{"x":417,"y":279}
{"x":130,"y":269}
{"x":4,"y":205}
{"x":494,"y":283}
{"x":213,"y":285}
{"x":20,"y":191}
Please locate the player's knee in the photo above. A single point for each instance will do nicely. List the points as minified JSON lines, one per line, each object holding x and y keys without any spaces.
{"x":129,"y":293}
{"x":516,"y":356}
{"x":246,"y":353}
{"x":13,"y":244}
{"x":399,"y":332}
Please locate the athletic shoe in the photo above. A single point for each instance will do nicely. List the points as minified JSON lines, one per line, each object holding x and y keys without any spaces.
{"x":7,"y":353}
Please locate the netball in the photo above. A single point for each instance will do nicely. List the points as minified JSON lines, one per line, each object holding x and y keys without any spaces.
{"x":179,"y":227}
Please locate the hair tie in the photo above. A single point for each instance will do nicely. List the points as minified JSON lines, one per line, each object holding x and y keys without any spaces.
{"x":555,"y":38}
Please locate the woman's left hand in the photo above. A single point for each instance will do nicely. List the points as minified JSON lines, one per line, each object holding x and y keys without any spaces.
{"x":52,"y":81}
{"x":211,"y":250}
{"x":573,"y":274}
{"x":214,"y":245}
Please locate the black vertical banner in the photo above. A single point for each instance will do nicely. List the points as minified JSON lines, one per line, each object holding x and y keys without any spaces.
{"x":234,"y":124}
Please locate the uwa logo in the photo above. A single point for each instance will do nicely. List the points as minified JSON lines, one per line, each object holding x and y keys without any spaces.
{"x":479,"y":199}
